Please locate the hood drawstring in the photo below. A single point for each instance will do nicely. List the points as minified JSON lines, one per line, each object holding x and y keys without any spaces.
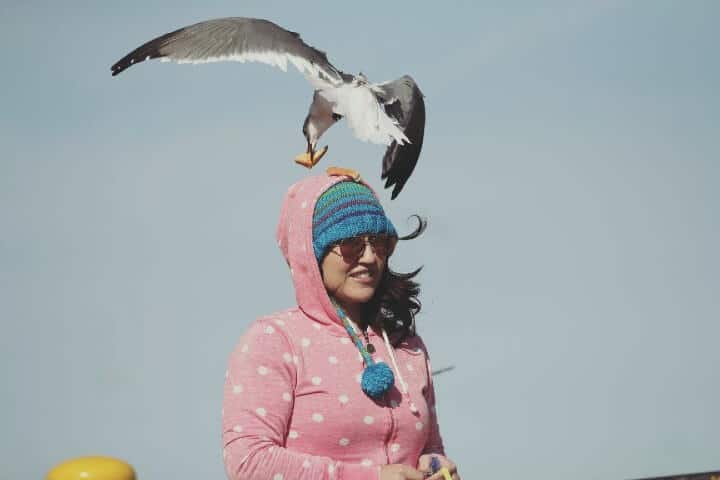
{"x":390,"y":349}
{"x":403,"y":385}
{"x":377,"y":378}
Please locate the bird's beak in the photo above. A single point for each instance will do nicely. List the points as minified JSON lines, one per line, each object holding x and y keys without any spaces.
{"x":310,"y":158}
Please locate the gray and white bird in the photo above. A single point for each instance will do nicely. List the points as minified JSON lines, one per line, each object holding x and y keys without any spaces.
{"x":389,"y":113}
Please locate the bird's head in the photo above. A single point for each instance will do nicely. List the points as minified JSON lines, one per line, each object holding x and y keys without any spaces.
{"x":360,"y":79}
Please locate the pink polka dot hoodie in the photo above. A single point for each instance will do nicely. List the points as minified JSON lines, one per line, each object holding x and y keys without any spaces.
{"x":293,"y":407}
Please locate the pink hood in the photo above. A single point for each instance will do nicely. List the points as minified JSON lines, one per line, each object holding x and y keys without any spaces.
{"x":294,"y":236}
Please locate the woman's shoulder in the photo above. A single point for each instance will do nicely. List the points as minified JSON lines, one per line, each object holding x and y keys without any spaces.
{"x":279,"y":327}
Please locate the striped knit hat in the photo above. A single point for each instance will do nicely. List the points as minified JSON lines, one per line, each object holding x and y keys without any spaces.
{"x":347,"y":209}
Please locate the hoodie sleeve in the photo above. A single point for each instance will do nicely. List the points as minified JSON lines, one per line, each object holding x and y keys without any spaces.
{"x":434,"y":442}
{"x":257,"y":408}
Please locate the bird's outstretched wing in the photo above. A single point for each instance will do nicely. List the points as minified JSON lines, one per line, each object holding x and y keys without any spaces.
{"x":237,"y":39}
{"x":404,"y":102}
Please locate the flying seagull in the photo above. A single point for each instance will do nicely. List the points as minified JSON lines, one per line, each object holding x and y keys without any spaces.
{"x":390,"y":113}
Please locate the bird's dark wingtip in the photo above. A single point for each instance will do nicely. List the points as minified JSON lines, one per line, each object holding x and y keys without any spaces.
{"x":396,"y":191}
{"x":119,"y":67}
{"x":396,"y":186}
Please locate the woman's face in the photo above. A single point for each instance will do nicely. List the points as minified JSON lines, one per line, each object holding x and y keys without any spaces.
{"x":350,"y":279}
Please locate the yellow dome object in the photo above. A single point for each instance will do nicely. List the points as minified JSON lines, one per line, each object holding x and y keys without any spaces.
{"x":92,"y":468}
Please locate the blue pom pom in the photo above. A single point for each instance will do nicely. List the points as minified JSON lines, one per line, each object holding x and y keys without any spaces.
{"x":377,"y":379}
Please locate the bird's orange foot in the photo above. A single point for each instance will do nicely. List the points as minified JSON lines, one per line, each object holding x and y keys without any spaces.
{"x":343,"y":172}
{"x":308,"y":161}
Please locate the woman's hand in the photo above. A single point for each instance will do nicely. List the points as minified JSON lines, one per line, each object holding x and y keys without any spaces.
{"x":424,"y":466}
{"x":398,"y":471}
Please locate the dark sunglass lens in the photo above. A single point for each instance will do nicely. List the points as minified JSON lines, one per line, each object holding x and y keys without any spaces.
{"x":378,"y":245}
{"x":351,"y":248}
{"x":382,"y":245}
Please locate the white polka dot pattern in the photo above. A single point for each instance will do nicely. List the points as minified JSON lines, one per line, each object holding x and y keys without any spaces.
{"x":270,"y":383}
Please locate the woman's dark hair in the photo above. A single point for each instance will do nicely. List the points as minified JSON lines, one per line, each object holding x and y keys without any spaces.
{"x":395,"y":302}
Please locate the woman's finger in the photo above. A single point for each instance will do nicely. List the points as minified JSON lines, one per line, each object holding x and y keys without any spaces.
{"x":424,"y":463}
{"x":446,"y":462}
{"x":413,"y":474}
{"x":450,"y":465}
{"x":439,"y":475}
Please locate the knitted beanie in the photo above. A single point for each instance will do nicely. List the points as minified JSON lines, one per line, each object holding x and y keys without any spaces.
{"x":347,"y":209}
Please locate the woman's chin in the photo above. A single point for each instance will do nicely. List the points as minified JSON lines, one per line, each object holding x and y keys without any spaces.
{"x":359,"y":294}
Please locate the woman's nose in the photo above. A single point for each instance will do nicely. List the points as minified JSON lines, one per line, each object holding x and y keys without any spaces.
{"x":368,"y":253}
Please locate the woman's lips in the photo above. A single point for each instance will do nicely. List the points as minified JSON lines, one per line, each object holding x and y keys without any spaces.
{"x":364,"y":276}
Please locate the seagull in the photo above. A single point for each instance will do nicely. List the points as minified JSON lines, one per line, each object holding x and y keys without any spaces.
{"x":391,"y":113}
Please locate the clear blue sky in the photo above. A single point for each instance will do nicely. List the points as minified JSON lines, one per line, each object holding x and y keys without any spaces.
{"x":569,"y":176}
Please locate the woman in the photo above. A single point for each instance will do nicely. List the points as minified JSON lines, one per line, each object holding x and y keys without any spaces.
{"x":338,"y":387}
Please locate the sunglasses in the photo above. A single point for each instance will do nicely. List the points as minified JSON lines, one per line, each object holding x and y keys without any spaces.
{"x":352,"y":248}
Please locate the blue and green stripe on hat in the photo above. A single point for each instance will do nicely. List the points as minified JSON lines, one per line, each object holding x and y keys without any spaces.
{"x":347,"y":209}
